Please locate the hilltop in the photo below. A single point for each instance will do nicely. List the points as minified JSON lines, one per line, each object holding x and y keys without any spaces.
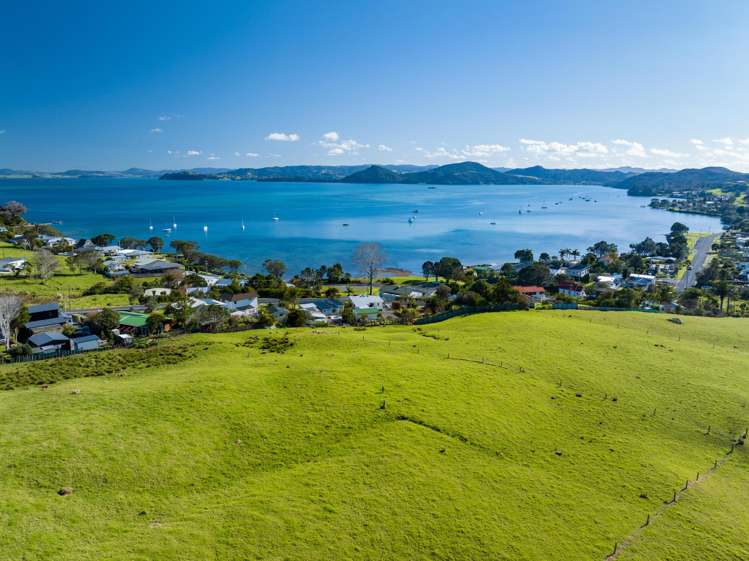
{"x":522,"y":435}
{"x":660,"y":183}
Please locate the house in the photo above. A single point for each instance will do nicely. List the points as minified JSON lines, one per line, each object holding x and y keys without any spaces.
{"x":133,"y":323}
{"x":314,"y":315}
{"x":571,"y":289}
{"x":640,"y":281}
{"x":134,"y":253}
{"x":109,"y":250}
{"x":46,"y":318}
{"x":366,"y":308}
{"x":114,"y":268}
{"x":332,"y":308}
{"x":278,"y":312}
{"x":611,"y":282}
{"x":533,"y":293}
{"x":227,"y":282}
{"x":193,"y":290}
{"x":578,"y":271}
{"x":209,"y":279}
{"x":85,"y":343}
{"x":242,"y":302}
{"x":49,"y":341}
{"x":12,"y":265}
{"x":417,"y":292}
{"x":156,"y":292}
{"x":156,"y":268}
{"x":53,"y":241}
{"x":84,"y":245}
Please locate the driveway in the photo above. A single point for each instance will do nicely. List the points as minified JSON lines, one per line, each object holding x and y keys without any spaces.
{"x":701,"y":249}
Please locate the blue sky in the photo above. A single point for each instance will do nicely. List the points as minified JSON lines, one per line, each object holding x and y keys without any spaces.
{"x":110,"y":85}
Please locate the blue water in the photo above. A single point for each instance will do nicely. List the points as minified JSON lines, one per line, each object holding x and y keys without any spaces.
{"x":310,"y":230}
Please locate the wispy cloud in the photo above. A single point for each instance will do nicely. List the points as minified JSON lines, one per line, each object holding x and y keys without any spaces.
{"x":440,"y":153}
{"x":283,"y":136}
{"x":384,"y":148}
{"x":213,"y":157}
{"x":483,"y":150}
{"x":168,"y":116}
{"x":337,"y":147}
{"x":666,"y":153}
{"x":557,"y":151}
{"x":632,"y":148}
{"x":247,"y":154}
{"x":156,"y":130}
{"x":194,"y":152}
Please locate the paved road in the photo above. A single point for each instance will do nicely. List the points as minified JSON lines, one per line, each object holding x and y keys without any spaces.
{"x":701,"y":249}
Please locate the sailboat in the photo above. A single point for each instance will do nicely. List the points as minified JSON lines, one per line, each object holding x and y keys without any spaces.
{"x":276,"y":219}
{"x":174,"y":224}
{"x":150,"y":226}
{"x":205,"y":229}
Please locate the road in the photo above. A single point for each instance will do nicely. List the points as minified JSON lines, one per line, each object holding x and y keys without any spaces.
{"x":701,"y":249}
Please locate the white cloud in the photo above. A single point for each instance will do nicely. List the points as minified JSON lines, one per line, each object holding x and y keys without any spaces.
{"x":633,"y":148}
{"x":380,"y":147}
{"x":193,"y":153}
{"x":165,"y":117}
{"x":336,"y":148}
{"x":156,"y":130}
{"x":664,"y":152}
{"x":213,"y":157}
{"x":247,"y":154}
{"x":726,"y":141}
{"x":557,"y":151}
{"x":483,"y":150}
{"x":698,"y":144}
{"x":440,"y":153}
{"x":283,"y":136}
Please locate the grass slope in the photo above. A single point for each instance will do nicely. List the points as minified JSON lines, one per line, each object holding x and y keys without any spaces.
{"x":65,"y":286}
{"x":251,"y":455}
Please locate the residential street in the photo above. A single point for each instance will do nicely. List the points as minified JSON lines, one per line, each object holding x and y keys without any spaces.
{"x":701,"y":248}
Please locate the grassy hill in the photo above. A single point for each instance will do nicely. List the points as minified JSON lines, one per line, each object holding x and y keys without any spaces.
{"x":515,"y":436}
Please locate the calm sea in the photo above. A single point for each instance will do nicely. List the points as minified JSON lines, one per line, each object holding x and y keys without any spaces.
{"x":447,"y":220}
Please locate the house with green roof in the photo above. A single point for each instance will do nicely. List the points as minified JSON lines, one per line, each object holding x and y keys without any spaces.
{"x":133,"y":323}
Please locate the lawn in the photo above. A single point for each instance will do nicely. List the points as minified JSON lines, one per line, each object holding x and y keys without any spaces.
{"x":516,"y":436}
{"x":65,"y":286}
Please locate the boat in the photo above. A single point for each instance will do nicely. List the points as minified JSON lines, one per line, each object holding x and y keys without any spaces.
{"x":276,"y":219}
{"x":345,"y":224}
{"x":544,"y":207}
{"x":520,"y":212}
{"x":493,"y":223}
{"x":431,"y":187}
{"x":167,"y":230}
{"x":415,"y":211}
{"x":174,"y":224}
{"x":205,"y":229}
{"x":242,"y":226}
{"x":150,"y":226}
{"x":411,"y":220}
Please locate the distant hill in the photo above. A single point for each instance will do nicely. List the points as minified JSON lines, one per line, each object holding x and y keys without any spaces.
{"x":187,"y":176}
{"x":660,"y":183}
{"x":466,"y":173}
{"x":374,"y":174}
{"x":571,"y":176}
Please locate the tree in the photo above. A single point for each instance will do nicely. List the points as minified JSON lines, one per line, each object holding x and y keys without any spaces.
{"x":155,"y":323}
{"x":448,"y":268}
{"x":296,"y":318}
{"x":210,"y":316}
{"x":12,"y":212}
{"x":104,"y":322}
{"x":603,"y":248}
{"x":184,"y":248}
{"x":83,"y":260}
{"x":721,"y":290}
{"x":45,"y":263}
{"x":503,"y":293}
{"x":275,"y":267}
{"x":679,"y":228}
{"x":524,"y":255}
{"x":10,"y":307}
{"x":103,"y":240}
{"x":348,"y":313}
{"x":369,"y":257}
{"x":155,"y":243}
{"x":535,"y":274}
{"x":427,"y":268}
{"x":129,"y":242}
{"x":645,"y":247}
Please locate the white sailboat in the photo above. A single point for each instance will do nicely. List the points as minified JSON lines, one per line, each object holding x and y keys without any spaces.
{"x":242,"y":225}
{"x":205,"y":229}
{"x":174,"y":224}
{"x":150,"y":225}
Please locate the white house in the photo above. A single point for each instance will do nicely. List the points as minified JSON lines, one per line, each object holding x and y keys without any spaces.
{"x":640,"y":281}
{"x":366,"y":307}
{"x":11,"y":265}
{"x":155,"y":292}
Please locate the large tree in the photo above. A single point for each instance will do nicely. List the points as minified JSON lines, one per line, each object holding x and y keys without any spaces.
{"x":45,"y":263}
{"x":369,"y":257}
{"x":427,"y":268}
{"x":155,"y":243}
{"x":184,"y":248}
{"x":103,"y":239}
{"x":275,"y":267}
{"x":10,"y":307}
{"x":12,"y":212}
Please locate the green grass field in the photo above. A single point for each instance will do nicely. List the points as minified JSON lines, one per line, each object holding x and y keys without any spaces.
{"x":65,"y":286}
{"x":514,"y":436}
